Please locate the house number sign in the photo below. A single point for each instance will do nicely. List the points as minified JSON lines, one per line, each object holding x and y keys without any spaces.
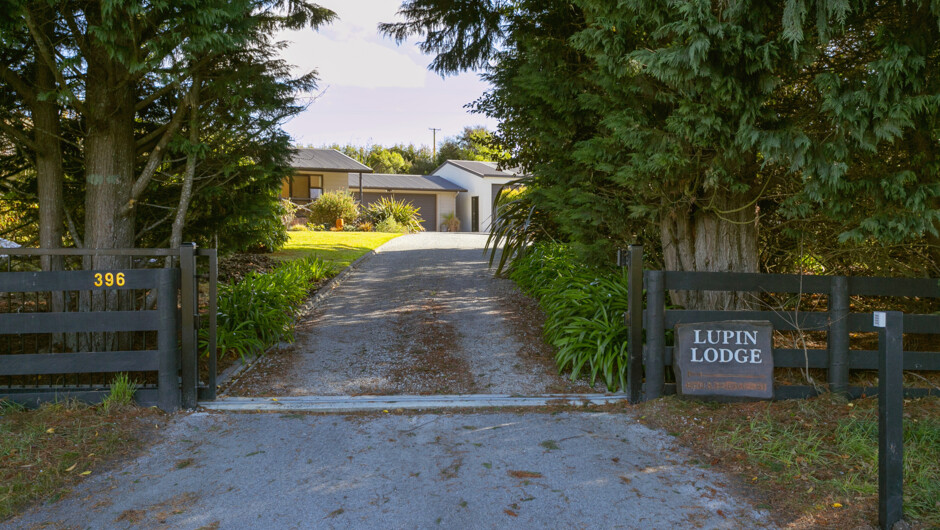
{"x":731,"y":359}
{"x":109,"y":279}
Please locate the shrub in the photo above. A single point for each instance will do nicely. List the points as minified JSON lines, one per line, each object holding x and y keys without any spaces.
{"x":451,"y":222}
{"x":391,"y":226}
{"x":334,"y":205}
{"x":288,"y":212}
{"x":403,"y":213}
{"x":584,"y":308}
{"x":365,"y":226}
{"x":258,"y":311}
{"x":298,"y":228}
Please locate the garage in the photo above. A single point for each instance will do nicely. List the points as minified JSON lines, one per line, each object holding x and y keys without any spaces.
{"x":426,"y":202}
{"x":433,"y":196}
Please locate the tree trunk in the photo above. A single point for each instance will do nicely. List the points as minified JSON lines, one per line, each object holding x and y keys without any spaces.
{"x":49,"y":176}
{"x":49,"y":172}
{"x":714,"y":239}
{"x":110,"y":153}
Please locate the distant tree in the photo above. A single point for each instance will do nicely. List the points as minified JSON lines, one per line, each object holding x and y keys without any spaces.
{"x":382,"y":160}
{"x":473,"y":143}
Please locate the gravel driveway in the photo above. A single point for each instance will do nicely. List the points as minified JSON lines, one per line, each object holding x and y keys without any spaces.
{"x":422,"y":316}
{"x":499,"y":470}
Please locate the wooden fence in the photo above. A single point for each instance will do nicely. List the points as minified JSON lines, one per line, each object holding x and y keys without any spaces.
{"x":837,"y":322}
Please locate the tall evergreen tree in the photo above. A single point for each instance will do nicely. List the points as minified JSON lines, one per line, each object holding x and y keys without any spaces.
{"x":120,"y":67}
{"x":698,"y":118}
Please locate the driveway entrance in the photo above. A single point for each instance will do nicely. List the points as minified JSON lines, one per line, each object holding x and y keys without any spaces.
{"x":422,"y":316}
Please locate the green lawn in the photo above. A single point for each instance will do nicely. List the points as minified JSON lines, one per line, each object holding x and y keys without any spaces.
{"x":341,"y":248}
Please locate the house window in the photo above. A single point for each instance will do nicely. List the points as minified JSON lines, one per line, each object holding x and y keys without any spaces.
{"x":316,"y":187}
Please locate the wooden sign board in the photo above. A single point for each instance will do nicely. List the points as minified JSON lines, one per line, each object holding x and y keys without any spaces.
{"x":731,"y":359}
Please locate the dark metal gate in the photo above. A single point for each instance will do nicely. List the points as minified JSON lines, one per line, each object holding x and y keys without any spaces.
{"x":65,"y":333}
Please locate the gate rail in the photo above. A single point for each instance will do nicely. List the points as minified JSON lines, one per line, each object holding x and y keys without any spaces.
{"x":176,"y":321}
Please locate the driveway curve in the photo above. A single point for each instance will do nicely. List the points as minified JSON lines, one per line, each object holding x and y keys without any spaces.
{"x":424,"y":315}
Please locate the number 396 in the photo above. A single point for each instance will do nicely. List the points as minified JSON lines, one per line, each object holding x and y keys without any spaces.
{"x":108,"y":279}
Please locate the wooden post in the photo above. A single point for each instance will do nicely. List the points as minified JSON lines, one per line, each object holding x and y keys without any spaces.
{"x":839,"y":335}
{"x":890,"y":413}
{"x":655,"y":335}
{"x":634,"y":323}
{"x":188,"y":371}
{"x":168,"y":388}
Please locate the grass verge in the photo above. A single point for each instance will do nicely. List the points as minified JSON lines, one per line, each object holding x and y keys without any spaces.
{"x":340,"y":248}
{"x":812,"y":462}
{"x":46,"y":451}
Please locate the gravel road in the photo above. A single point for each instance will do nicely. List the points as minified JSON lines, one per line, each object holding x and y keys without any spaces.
{"x":422,"y":316}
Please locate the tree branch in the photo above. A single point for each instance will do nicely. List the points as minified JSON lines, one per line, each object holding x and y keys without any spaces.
{"x":17,"y":134}
{"x":79,"y":36}
{"x":72,"y":231}
{"x":156,"y":156}
{"x":45,"y":52}
{"x":22,"y":87}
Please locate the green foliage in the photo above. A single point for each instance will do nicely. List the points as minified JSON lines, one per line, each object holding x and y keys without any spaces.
{"x":388,"y":214}
{"x":258,"y":311}
{"x":584,"y":310}
{"x":517,"y":224}
{"x":385,"y":161}
{"x":390,"y":226}
{"x":120,"y":394}
{"x":794,"y":449}
{"x":451,"y":222}
{"x":473,"y":143}
{"x":399,"y":158}
{"x":334,"y":205}
{"x":180,"y":92}
{"x":818,"y":119}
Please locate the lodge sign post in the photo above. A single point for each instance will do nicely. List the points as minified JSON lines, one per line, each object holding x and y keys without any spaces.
{"x":730,"y":359}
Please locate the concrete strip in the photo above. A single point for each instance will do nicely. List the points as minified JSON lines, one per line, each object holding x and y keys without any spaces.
{"x":378,"y":403}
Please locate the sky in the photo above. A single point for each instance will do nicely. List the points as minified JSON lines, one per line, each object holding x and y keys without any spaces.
{"x":371,"y":90}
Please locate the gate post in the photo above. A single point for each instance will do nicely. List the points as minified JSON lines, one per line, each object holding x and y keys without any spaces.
{"x":838,"y":369}
{"x":634,"y":323}
{"x":890,"y":413}
{"x":188,"y":298}
{"x":168,"y":379}
{"x":655,"y":335}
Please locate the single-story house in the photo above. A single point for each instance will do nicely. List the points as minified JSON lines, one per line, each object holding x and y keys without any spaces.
{"x":433,"y":195}
{"x":483,"y":182}
{"x":318,"y":171}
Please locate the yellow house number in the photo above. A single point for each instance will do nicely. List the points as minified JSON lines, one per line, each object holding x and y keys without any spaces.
{"x":108,"y":279}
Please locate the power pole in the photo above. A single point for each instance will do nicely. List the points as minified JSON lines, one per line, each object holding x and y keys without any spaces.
{"x":434,"y":143}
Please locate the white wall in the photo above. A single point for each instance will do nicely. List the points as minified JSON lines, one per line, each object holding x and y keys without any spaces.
{"x":446,"y":203}
{"x":476,"y":186}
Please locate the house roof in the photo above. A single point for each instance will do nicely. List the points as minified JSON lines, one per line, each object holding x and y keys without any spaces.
{"x":386,"y":181}
{"x":326,"y":160}
{"x":484,"y":169}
